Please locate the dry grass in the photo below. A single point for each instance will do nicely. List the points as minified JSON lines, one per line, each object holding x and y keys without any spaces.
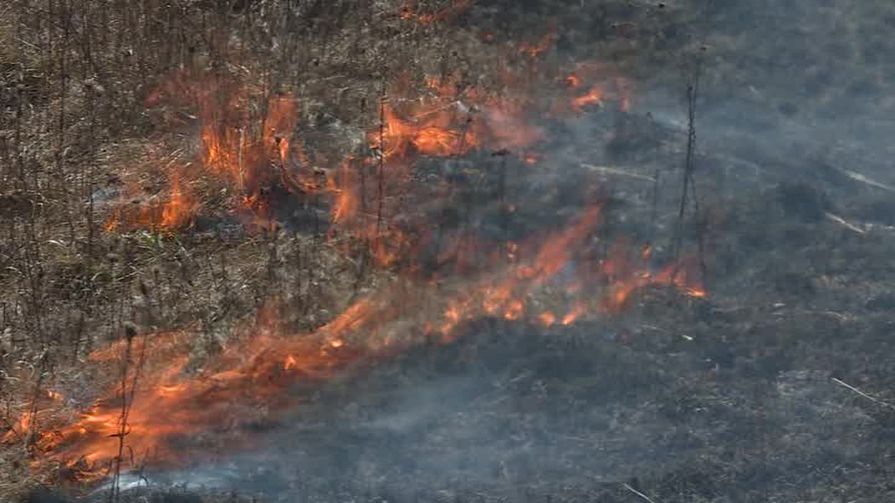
{"x":75,"y":78}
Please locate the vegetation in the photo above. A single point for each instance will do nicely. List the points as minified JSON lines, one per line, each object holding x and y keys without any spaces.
{"x":269,"y":232}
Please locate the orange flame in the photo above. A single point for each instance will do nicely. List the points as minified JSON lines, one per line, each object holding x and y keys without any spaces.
{"x":547,"y":318}
{"x":573,"y":81}
{"x":593,"y":97}
{"x":409,"y":12}
{"x":542,"y":45}
{"x":254,"y":375}
{"x":346,"y":201}
{"x":175,"y":212}
{"x":436,"y":132}
{"x":179,"y":209}
{"x":255,"y":372}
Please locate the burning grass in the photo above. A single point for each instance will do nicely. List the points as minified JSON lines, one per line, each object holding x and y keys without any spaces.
{"x":242,"y":152}
{"x":162,"y":408}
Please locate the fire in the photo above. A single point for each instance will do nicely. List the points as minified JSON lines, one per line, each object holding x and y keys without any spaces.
{"x":453,"y":123}
{"x":241,"y":158}
{"x":573,"y":315}
{"x":179,"y":209}
{"x":170,"y":406}
{"x":443,"y":86}
{"x":217,"y":154}
{"x":346,"y":200}
{"x":242,"y":153}
{"x":253,"y":378}
{"x":573,"y":81}
{"x":257,"y":370}
{"x":542,"y":45}
{"x":532,"y":158}
{"x":547,"y":318}
{"x":556,"y":252}
{"x":174,"y":212}
{"x":440,"y":132}
{"x":248,"y":138}
{"x":514,"y":310}
{"x":20,"y":429}
{"x":409,"y":12}
{"x":592,"y":97}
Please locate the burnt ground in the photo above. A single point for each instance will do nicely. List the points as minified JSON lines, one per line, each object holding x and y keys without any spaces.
{"x":777,"y":387}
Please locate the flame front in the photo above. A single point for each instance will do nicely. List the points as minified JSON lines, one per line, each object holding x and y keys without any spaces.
{"x":172,"y":409}
{"x":409,"y":12}
{"x":167,"y":412}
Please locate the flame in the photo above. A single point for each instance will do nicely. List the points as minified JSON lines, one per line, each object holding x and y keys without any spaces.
{"x":179,"y":209}
{"x":573,"y":81}
{"x":242,"y":153}
{"x":409,"y":12}
{"x":578,"y":311}
{"x":232,"y":153}
{"x":447,"y":125}
{"x":532,"y":158}
{"x":547,"y":318}
{"x":534,"y":49}
{"x":257,"y":369}
{"x":435,"y":131}
{"x":174,"y":405}
{"x":346,"y":201}
{"x":592,"y":97}
{"x":19,"y":430}
{"x":113,"y":222}
{"x":248,"y":139}
{"x":443,"y":86}
{"x":171,"y":406}
{"x":176,"y":211}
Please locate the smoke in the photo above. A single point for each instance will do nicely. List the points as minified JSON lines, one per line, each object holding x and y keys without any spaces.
{"x":789,"y":91}
{"x":509,"y":407}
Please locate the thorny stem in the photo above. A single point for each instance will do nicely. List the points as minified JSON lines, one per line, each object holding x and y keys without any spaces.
{"x":113,"y":495}
{"x":65,"y":20}
{"x":381,"y":173}
{"x":32,"y":410}
{"x":689,"y":181}
{"x":503,"y":207}
{"x":655,"y":201}
{"x":126,"y":404}
{"x":863,"y":394}
{"x":692,"y":94}
{"x":637,"y":493}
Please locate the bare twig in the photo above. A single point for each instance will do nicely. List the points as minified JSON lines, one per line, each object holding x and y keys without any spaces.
{"x":854,"y":175}
{"x":31,"y":431}
{"x":688,"y":180}
{"x":638,"y":493}
{"x":863,"y":394}
{"x":126,"y":404}
{"x":843,"y":222}
{"x":608,"y":170}
{"x":688,"y":191}
{"x":381,"y":167}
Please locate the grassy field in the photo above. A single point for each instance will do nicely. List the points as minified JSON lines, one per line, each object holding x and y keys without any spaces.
{"x":438,"y":251}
